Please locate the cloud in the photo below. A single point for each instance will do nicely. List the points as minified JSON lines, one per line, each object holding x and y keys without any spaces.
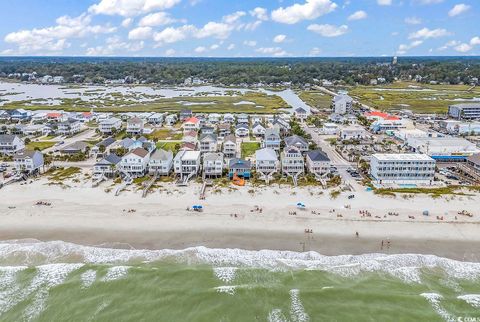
{"x":250,"y":43}
{"x":458,"y":9}
{"x":231,"y":47}
{"x":156,"y":19}
{"x":214,"y":46}
{"x":279,"y":38}
{"x":170,"y":52}
{"x":259,"y":13}
{"x":127,"y":22}
{"x":413,"y":20}
{"x":272,"y":51}
{"x":218,"y":30}
{"x":140,"y":33}
{"x":171,"y":35}
{"x":451,"y":43}
{"x":311,"y":9}
{"x":328,"y":30}
{"x":463,"y":48}
{"x":403,"y":48}
{"x":359,"y":15}
{"x":426,"y":33}
{"x":200,"y":49}
{"x":384,"y":2}
{"x":427,"y":2}
{"x":114,"y":45}
{"x":55,"y":38}
{"x":234,"y":17}
{"x":315,"y":51}
{"x":128,"y":8}
{"x":475,"y":41}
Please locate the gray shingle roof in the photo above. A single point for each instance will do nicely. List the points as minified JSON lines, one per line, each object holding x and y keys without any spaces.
{"x":318,"y":155}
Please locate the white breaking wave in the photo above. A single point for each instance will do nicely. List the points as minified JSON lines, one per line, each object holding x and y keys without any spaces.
{"x":276,"y":315}
{"x":228,"y":289}
{"x":88,"y":278}
{"x":225,"y":274}
{"x":434,"y":300}
{"x":48,"y":276}
{"x":9,"y":286}
{"x":297,"y":312}
{"x":472,"y":299}
{"x":115,"y":273}
{"x":406,"y":267}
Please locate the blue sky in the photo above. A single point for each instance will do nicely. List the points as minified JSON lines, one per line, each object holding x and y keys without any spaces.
{"x":236,"y":28}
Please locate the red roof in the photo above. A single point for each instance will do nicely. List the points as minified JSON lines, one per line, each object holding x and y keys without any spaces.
{"x":87,"y":114}
{"x":382,"y":115}
{"x":54,"y":115}
{"x":192,"y":120}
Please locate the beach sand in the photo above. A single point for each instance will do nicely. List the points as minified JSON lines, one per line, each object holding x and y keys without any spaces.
{"x":91,"y":216}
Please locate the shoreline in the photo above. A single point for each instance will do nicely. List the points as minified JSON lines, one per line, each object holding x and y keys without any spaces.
{"x":92,"y":217}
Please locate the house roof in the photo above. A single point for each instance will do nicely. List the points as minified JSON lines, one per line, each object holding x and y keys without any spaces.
{"x":241,"y":126}
{"x":272,"y":131}
{"x":79,"y":145}
{"x":382,"y":115}
{"x":474,"y":159}
{"x":256,"y":125}
{"x":25,"y":154}
{"x":230,"y":138}
{"x":294,"y":140}
{"x":188,"y":146}
{"x":106,"y":142}
{"x":208,"y":136}
{"x":139,"y":152}
{"x":266,"y":154}
{"x":135,"y":120}
{"x":192,"y":120}
{"x":127,"y":142}
{"x":213,"y":156}
{"x":7,"y":138}
{"x":54,"y":115}
{"x":161,"y":154}
{"x":300,"y":110}
{"x":239,"y":164}
{"x":110,"y":159}
{"x":318,"y":155}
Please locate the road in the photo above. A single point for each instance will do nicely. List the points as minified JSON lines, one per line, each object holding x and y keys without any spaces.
{"x":85,"y":135}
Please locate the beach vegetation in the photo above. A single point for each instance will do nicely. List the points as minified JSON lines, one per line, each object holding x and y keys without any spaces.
{"x":248,"y":148}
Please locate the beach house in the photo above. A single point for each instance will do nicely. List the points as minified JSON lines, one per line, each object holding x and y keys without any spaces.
{"x":258,"y":130}
{"x":292,"y":162}
{"x":155,"y":118}
{"x":75,"y":147}
{"x":301,"y":114}
{"x":110,"y":125}
{"x":353,"y":132}
{"x":297,"y":141}
{"x":186,"y":164}
{"x":161,"y":162}
{"x":10,"y":144}
{"x":342,"y":104}
{"x":135,"y":126}
{"x":242,"y":130}
{"x":28,"y":161}
{"x":242,"y":119}
{"x":191,"y":124}
{"x":224,"y":130}
{"x":266,"y":163}
{"x":208,"y":143}
{"x":135,"y":162}
{"x":68,"y":127}
{"x":272,"y":139}
{"x":185,"y":114}
{"x":318,"y":163}
{"x":213,"y":164}
{"x":240,"y":167}
{"x":402,"y":168}
{"x":107,"y":166}
{"x":230,"y":146}
{"x":171,"y":119}
{"x":102,"y":148}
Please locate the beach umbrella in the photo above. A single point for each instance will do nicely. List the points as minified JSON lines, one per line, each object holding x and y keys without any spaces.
{"x":200,"y":207}
{"x":425,"y":213}
{"x":194,"y":206}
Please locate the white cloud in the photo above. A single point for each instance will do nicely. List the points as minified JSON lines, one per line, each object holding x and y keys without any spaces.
{"x":458,"y":9}
{"x":403,"y":48}
{"x":475,"y":41}
{"x":427,"y":2}
{"x":328,"y":30}
{"x":127,"y":22}
{"x":200,"y":49}
{"x":463,"y":48}
{"x":251,"y":26}
{"x":55,"y":38}
{"x":451,"y":43}
{"x":359,"y":15}
{"x":311,"y":9}
{"x":315,"y":51}
{"x":170,"y":35}
{"x":114,"y":45}
{"x":214,"y":46}
{"x":259,"y":13}
{"x":231,"y":47}
{"x":413,"y":20}
{"x":156,"y":19}
{"x":272,"y":51}
{"x":234,"y":17}
{"x":140,"y":33}
{"x":218,"y":30}
{"x":279,"y":38}
{"x":384,"y":2}
{"x":170,"y":52}
{"x":426,"y":33}
{"x":128,"y":8}
{"x":251,"y":43}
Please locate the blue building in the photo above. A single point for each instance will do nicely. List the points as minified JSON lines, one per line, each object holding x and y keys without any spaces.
{"x":242,"y":168}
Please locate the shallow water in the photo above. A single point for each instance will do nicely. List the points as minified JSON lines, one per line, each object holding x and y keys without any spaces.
{"x":57,"y":281}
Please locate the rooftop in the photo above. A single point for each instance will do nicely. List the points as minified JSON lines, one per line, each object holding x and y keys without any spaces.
{"x":402,"y":157}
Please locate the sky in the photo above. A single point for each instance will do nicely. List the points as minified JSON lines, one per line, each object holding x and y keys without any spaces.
{"x":239,"y":28}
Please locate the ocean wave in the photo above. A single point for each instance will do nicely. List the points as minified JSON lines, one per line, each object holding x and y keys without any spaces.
{"x":406,"y":267}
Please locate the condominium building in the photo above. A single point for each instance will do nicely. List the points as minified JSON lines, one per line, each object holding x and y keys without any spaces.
{"x":406,"y":168}
{"x":465,"y":111}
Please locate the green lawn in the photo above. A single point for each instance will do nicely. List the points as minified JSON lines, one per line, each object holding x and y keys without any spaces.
{"x":164,"y":134}
{"x":40,"y":145}
{"x":249,"y":148}
{"x":169,"y":146}
{"x":62,"y":174}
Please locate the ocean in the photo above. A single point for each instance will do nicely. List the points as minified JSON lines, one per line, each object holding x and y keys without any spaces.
{"x":59,"y":281}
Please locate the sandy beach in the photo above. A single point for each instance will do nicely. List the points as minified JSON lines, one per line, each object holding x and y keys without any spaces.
{"x":91,"y":216}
